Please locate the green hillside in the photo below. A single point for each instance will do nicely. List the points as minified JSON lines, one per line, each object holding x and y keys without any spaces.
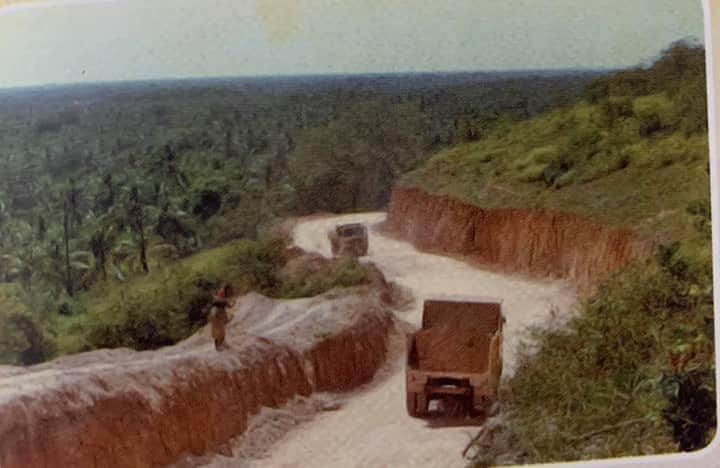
{"x":633,"y":153}
{"x":621,"y":179}
{"x":632,"y":373}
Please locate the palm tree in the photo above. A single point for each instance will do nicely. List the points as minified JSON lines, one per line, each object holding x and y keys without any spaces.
{"x":51,"y":268}
{"x":45,"y":192}
{"x":82,"y":262}
{"x":100,"y":245}
{"x":30,"y":261}
{"x":42,"y":228}
{"x":4,"y":215}
{"x":66,"y":241}
{"x":165,"y":167}
{"x":73,"y":196}
{"x":10,"y":267}
{"x":105,"y":202}
{"x":136,"y":217}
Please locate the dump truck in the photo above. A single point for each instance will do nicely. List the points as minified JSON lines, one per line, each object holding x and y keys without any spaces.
{"x":349,"y":239}
{"x":456,"y":357}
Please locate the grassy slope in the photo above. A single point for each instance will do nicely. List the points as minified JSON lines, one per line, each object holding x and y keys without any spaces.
{"x":621,"y":180}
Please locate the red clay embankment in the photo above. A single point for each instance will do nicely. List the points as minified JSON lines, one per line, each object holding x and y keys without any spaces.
{"x":536,"y":242}
{"x":123,"y":408}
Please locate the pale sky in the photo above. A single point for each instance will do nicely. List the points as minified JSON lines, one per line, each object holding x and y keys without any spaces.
{"x":63,"y":41}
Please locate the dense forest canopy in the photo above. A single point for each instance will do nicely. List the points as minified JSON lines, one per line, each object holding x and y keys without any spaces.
{"x":100,"y":184}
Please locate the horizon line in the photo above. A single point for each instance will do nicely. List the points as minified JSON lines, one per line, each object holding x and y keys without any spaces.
{"x":68,"y":84}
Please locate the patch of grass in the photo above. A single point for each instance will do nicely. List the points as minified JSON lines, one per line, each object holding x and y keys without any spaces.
{"x":532,"y":173}
{"x":565,"y":179}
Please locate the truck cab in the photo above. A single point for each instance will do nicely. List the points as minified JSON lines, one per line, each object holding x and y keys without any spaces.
{"x":349,"y":239}
{"x":456,"y":357}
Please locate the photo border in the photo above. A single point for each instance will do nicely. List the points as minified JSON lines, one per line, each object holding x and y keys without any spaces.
{"x":710,"y":455}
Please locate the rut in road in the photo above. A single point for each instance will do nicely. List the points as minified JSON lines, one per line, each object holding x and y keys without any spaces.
{"x":372,"y":428}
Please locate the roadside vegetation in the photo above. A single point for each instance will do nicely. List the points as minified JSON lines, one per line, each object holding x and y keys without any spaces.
{"x":167,"y":304}
{"x":633,"y":372}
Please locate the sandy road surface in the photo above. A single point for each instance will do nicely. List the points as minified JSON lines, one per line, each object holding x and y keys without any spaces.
{"x":372,"y":428}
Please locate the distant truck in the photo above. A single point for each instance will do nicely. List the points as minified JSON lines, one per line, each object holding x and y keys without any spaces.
{"x":349,"y":239}
{"x":456,"y":357}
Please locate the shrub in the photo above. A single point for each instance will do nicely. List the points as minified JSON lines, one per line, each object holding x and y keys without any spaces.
{"x":632,"y":373}
{"x":554,"y":171}
{"x":169,"y":304}
{"x":23,"y":341}
{"x":612,"y":109}
{"x":700,"y":210}
{"x":307,"y":281}
{"x":565,"y":179}
{"x":532,"y":173}
{"x":655,"y":113}
{"x":208,"y":203}
{"x":691,"y":411}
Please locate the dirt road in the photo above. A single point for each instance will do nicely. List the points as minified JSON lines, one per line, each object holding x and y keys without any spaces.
{"x":371,"y":428}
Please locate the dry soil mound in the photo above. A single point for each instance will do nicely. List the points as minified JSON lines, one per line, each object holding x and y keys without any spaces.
{"x":135,"y":409}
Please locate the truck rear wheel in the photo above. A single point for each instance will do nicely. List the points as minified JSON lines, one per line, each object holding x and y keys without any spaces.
{"x":417,"y":404}
{"x":412,"y":404}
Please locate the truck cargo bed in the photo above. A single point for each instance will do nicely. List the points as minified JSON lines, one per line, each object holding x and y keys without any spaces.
{"x":456,"y":355}
{"x":449,"y":349}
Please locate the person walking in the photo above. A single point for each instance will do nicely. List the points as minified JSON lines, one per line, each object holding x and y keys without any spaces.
{"x":219,"y":316}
